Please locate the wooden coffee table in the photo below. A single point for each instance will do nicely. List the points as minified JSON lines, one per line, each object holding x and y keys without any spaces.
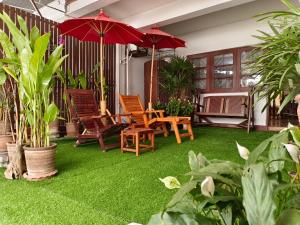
{"x":136,"y":136}
{"x":175,"y":121}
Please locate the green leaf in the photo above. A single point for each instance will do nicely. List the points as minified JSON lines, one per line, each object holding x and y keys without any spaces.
{"x":179,"y":219}
{"x":82,"y":81}
{"x":258,"y":196}
{"x":34,"y":35}
{"x":289,"y":217}
{"x":11,"y":72}
{"x":295,"y":131}
{"x":51,"y":113}
{"x":23,"y":26}
{"x":185,"y":189}
{"x":2,"y":78}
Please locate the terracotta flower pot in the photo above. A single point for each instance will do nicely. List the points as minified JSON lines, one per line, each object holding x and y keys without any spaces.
{"x":54,"y":129}
{"x":3,"y":140}
{"x":40,"y":162}
{"x":4,"y":127}
{"x":71,"y":129}
{"x":3,"y":149}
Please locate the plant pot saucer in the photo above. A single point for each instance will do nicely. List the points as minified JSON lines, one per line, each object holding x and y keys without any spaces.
{"x":38,"y":178}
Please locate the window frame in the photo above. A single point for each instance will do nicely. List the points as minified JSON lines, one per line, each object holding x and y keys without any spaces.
{"x":236,"y":80}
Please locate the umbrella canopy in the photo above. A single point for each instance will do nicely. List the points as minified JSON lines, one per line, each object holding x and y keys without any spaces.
{"x":103,"y":29}
{"x":157,"y":39}
{"x":92,"y":28}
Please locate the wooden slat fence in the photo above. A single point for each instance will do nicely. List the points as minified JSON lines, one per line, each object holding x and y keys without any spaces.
{"x":83,"y":56}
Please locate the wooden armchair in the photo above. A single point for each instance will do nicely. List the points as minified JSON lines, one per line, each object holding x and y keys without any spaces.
{"x":85,"y":113}
{"x":141,"y":117}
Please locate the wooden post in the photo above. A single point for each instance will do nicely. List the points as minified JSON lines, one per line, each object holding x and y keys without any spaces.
{"x":151,"y":77}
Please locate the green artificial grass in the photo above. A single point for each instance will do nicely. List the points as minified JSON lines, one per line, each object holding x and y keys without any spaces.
{"x":112,"y":188}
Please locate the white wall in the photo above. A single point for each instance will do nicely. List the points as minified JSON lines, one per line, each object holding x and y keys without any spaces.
{"x":225,"y":29}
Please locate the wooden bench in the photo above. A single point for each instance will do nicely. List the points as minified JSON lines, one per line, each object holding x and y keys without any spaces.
{"x":234,"y":106}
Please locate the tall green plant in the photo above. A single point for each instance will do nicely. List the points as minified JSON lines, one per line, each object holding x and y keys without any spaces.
{"x":278,"y":60}
{"x":226,"y":193}
{"x":34,"y":75}
{"x":177,"y":77}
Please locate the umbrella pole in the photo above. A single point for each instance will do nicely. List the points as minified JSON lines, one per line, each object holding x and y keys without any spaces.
{"x":151,"y":78}
{"x":102,"y":101}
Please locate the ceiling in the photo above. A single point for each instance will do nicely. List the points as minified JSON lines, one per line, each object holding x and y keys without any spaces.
{"x":26,"y":4}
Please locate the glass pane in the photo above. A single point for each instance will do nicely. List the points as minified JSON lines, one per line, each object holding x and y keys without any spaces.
{"x":249,"y":81}
{"x":201,"y":73}
{"x":221,"y":60}
{"x":225,"y":71}
{"x":246,"y":56}
{"x":201,"y":84}
{"x":246,"y":69}
{"x":202,"y":62}
{"x":223,"y":83}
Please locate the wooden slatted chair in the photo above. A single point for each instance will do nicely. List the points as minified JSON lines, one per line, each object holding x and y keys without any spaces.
{"x":140,"y":117}
{"x":85,"y":113}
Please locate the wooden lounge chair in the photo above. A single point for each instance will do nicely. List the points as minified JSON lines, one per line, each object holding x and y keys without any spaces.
{"x":141,"y":117}
{"x":85,"y":113}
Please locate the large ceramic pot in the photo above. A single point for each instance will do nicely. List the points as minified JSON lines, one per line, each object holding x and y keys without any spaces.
{"x":71,"y":129}
{"x":54,"y":129}
{"x":40,"y":162}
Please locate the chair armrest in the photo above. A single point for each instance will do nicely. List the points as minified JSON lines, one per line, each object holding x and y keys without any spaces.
{"x":155,"y":111}
{"x":89,"y":118}
{"x":138,"y":113}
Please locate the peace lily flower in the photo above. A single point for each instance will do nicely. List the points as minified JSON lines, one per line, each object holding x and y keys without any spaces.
{"x":293,"y":151}
{"x":243,"y":151}
{"x":208,"y":187}
{"x":170,"y":182}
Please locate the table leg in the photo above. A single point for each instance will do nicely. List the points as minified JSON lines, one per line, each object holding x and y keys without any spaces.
{"x":190,"y":130}
{"x":153,"y":141}
{"x":165,"y":130}
{"x":122,"y":142}
{"x":137,"y":144}
{"x":177,"y":134}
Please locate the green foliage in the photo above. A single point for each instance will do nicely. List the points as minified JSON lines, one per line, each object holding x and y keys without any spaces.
{"x":278,"y":60}
{"x":34,"y":75}
{"x":179,"y":107}
{"x":177,"y":77}
{"x":258,"y":193}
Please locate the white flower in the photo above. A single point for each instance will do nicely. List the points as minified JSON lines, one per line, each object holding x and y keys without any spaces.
{"x":243,"y":151}
{"x":170,"y":182}
{"x":208,"y":187}
{"x":293,"y":151}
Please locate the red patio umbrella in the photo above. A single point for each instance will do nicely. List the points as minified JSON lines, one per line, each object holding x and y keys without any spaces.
{"x":101,"y":29}
{"x":157,"y":39}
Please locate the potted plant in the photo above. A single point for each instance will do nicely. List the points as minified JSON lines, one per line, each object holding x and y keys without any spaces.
{"x":277,"y":61}
{"x":11,"y":47}
{"x":35,"y":80}
{"x":78,"y":81}
{"x":5,"y":129}
{"x":177,"y":78}
{"x":256,"y":192}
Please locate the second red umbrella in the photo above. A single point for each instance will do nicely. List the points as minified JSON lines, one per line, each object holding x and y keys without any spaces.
{"x":103,"y":29}
{"x":157,"y":39}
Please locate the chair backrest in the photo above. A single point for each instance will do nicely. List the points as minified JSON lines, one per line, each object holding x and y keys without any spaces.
{"x":236,"y":105}
{"x":132,"y":103}
{"x":213,"y":104}
{"x":82,"y":103}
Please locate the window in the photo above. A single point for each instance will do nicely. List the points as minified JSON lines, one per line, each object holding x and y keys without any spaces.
{"x":224,"y":71}
{"x":200,"y":66}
